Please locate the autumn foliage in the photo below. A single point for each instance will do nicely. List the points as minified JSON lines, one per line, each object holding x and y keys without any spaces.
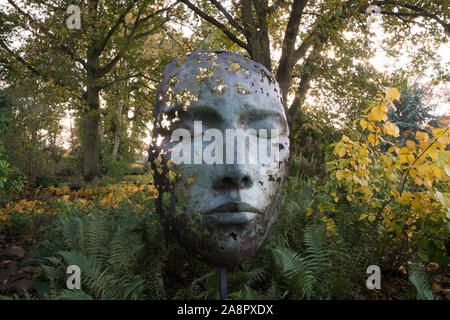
{"x":405,"y":189}
{"x":84,"y":199}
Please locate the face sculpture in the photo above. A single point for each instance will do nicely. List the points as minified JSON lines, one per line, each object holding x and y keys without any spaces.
{"x":219,"y":154}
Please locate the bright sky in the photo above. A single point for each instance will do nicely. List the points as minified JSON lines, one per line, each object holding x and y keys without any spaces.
{"x":385,"y":64}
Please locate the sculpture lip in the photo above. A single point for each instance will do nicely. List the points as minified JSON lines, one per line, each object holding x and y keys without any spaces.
{"x":234,"y":207}
{"x":232,"y":218}
{"x":232,"y":213}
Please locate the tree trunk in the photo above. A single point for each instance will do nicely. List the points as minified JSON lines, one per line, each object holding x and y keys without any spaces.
{"x":287,"y":59}
{"x":256,"y":32}
{"x":118,"y":129}
{"x":91,"y":120}
{"x":284,"y":80}
{"x":71,"y":133}
{"x":101,"y":132}
{"x":308,"y":72}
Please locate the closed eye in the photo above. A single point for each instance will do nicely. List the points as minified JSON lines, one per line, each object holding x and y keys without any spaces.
{"x":207,"y":116}
{"x":264,"y":119}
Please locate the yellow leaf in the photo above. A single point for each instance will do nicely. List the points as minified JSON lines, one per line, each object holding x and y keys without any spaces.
{"x":392,"y":94}
{"x":339,"y":174}
{"x":428,"y":183}
{"x":424,"y":170}
{"x":422,"y":136}
{"x":418,"y":180}
{"x":372,"y":140}
{"x":410,"y":144}
{"x":433,"y":153}
{"x":405,"y":155}
{"x":377,"y":115}
{"x":363,"y":123}
{"x":444,"y":140}
{"x":389,"y":174}
{"x":436,"y":170}
{"x":17,"y":208}
{"x":342,"y":152}
{"x":363,"y":216}
{"x":444,"y":198}
{"x":190,"y":180}
{"x":391,"y":129}
{"x":371,"y":218}
{"x":367,"y":192}
{"x":356,"y":179}
{"x":364,"y":182}
{"x":309,"y":212}
{"x":423,"y":145}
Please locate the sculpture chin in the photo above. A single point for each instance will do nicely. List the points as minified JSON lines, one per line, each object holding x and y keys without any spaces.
{"x":223,"y":239}
{"x":229,"y":245}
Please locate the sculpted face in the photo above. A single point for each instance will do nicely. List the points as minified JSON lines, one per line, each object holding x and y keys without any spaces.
{"x":219,"y":153}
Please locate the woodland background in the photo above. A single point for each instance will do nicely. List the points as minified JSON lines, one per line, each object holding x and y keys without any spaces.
{"x":369,"y":170}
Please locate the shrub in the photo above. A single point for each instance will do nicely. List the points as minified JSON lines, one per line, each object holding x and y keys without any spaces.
{"x":12,"y":180}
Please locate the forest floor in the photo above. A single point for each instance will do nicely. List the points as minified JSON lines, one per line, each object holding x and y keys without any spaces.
{"x":26,"y":241}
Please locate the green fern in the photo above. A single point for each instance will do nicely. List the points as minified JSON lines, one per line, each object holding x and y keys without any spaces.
{"x":107,"y":248}
{"x":420,"y":281}
{"x":307,"y":262}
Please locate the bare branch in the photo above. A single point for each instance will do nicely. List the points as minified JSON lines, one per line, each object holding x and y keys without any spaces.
{"x":261,"y":10}
{"x":131,"y":37}
{"x":42,"y":27}
{"x":34,"y":70}
{"x":101,"y":46}
{"x":110,"y":64}
{"x":419,"y":12}
{"x":149,"y":78}
{"x":274,"y":6}
{"x":290,"y":35}
{"x":305,"y":81}
{"x":317,"y":33}
{"x":306,"y":44}
{"x":119,"y":79}
{"x":247,"y":19}
{"x":153,"y":14}
{"x":152,"y":30}
{"x":230,"y":19}
{"x":400,"y":15}
{"x":219,"y":25}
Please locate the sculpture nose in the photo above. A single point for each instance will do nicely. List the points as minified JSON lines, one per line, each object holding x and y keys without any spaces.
{"x":234,"y":178}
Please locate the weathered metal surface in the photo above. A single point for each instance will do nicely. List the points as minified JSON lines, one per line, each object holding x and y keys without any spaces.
{"x":221,"y":213}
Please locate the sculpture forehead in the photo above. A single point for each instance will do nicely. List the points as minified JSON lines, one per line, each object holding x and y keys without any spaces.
{"x":219,"y":79}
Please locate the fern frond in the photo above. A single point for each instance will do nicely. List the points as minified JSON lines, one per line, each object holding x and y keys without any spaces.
{"x":420,"y":282}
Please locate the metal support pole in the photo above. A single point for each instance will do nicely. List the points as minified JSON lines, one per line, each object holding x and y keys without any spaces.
{"x":223,"y":283}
